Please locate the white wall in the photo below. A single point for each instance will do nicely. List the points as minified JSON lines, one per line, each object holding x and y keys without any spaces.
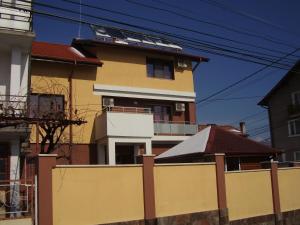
{"x":130,"y":124}
{"x":4,"y":72}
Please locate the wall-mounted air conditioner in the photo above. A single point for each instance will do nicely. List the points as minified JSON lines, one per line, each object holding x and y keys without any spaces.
{"x":180,"y":107}
{"x":108,"y":102}
{"x":182,"y":64}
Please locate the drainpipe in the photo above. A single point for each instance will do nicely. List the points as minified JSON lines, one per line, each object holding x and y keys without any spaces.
{"x":71,"y":109}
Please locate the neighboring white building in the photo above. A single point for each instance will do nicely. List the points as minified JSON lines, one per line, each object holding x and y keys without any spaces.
{"x":16,"y":37}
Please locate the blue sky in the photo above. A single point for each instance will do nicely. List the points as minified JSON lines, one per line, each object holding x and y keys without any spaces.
{"x":280,"y":21}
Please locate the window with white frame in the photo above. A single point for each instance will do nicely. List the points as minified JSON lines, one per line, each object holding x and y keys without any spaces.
{"x":297,"y":156}
{"x":294,"y":127}
{"x":296,"y":98}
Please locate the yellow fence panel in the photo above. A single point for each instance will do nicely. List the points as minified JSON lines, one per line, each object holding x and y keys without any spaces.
{"x":289,"y":188}
{"x":96,"y":195}
{"x":249,"y":194}
{"x":185,"y":188}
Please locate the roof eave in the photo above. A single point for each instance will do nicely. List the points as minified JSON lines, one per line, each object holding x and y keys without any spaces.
{"x":54,"y":59}
{"x":194,"y":58}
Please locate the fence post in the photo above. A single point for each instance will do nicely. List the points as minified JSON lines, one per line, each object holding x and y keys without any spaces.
{"x":148,"y":184}
{"x":221,"y":189}
{"x":275,"y":193}
{"x":45,"y":164}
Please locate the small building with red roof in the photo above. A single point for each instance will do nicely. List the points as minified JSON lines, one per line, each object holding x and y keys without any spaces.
{"x":240,"y":152}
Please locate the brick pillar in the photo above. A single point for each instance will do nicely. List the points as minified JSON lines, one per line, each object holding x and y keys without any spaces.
{"x":221,"y":189}
{"x":275,"y":193}
{"x":44,"y":186}
{"x":192,"y":112}
{"x":148,"y":182}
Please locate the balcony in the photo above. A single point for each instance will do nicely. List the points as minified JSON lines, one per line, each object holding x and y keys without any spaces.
{"x":175,"y":128}
{"x":138,"y":122}
{"x":12,"y":106}
{"x":14,"y":15}
{"x":294,"y":110}
{"x":124,"y":122}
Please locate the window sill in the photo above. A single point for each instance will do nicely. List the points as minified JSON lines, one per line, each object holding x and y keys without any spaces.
{"x":294,"y":135}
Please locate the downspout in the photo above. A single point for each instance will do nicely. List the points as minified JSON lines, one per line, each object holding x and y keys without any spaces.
{"x":196,"y":66}
{"x":71,"y":109}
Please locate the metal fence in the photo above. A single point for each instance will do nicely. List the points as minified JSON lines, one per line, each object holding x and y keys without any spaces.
{"x":13,"y":106}
{"x":17,"y":198}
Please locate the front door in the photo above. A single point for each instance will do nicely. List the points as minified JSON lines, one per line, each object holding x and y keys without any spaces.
{"x":125,"y":154}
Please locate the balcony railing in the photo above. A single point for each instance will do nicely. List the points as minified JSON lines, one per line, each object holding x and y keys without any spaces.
{"x":15,"y":15}
{"x":127,"y":109}
{"x":160,"y":127}
{"x":13,"y":106}
{"x":174,"y":128}
{"x":294,"y":109}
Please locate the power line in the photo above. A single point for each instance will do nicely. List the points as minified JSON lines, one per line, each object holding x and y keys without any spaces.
{"x":239,"y":31}
{"x":245,"y":78}
{"x":148,"y":29}
{"x":162,"y":23}
{"x":207,"y":34}
{"x":247,"y":15}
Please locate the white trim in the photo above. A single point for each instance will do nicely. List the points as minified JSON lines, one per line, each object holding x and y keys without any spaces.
{"x":169,"y":138}
{"x":293,"y":97}
{"x":147,"y":93}
{"x":290,"y":124}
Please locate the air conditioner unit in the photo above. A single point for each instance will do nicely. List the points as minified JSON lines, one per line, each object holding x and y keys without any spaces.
{"x":109,"y":102}
{"x":182,"y":64}
{"x":180,"y":107}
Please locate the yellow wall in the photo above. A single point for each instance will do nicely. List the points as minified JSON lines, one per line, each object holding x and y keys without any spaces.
{"x":249,"y":194}
{"x":97,"y":195}
{"x":181,"y":189}
{"x":120,"y":67}
{"x":126,"y":67}
{"x":289,"y":188}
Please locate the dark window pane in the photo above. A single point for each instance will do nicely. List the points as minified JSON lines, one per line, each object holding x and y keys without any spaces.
{"x":297,"y":126}
{"x":160,"y":68}
{"x":150,"y":69}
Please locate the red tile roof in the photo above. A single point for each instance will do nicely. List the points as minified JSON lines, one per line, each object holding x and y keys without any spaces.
{"x":64,"y":53}
{"x":223,"y":141}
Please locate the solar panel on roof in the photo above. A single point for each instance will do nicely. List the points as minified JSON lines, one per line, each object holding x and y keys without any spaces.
{"x":128,"y":37}
{"x":115,"y":33}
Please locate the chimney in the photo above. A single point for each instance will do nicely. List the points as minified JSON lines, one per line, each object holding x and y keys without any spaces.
{"x":243,"y":128}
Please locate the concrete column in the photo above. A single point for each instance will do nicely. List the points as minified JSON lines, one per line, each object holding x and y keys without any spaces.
{"x":100,"y":154}
{"x":136,"y":151}
{"x":15,"y":71}
{"x":24,"y":80}
{"x":111,"y":150}
{"x":15,"y":175}
{"x":46,"y":162}
{"x":148,"y":146}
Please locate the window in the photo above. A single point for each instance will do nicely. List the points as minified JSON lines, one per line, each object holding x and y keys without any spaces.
{"x":297,"y":156}
{"x":296,"y":98}
{"x":4,"y":162}
{"x":43,"y":104}
{"x":233,"y":163}
{"x":160,"y":68}
{"x":294,"y":127}
{"x":161,"y":113}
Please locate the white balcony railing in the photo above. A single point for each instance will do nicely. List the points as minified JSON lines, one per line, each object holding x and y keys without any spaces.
{"x":15,"y":15}
{"x":124,"y":122}
{"x":13,"y":106}
{"x":127,"y":109}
